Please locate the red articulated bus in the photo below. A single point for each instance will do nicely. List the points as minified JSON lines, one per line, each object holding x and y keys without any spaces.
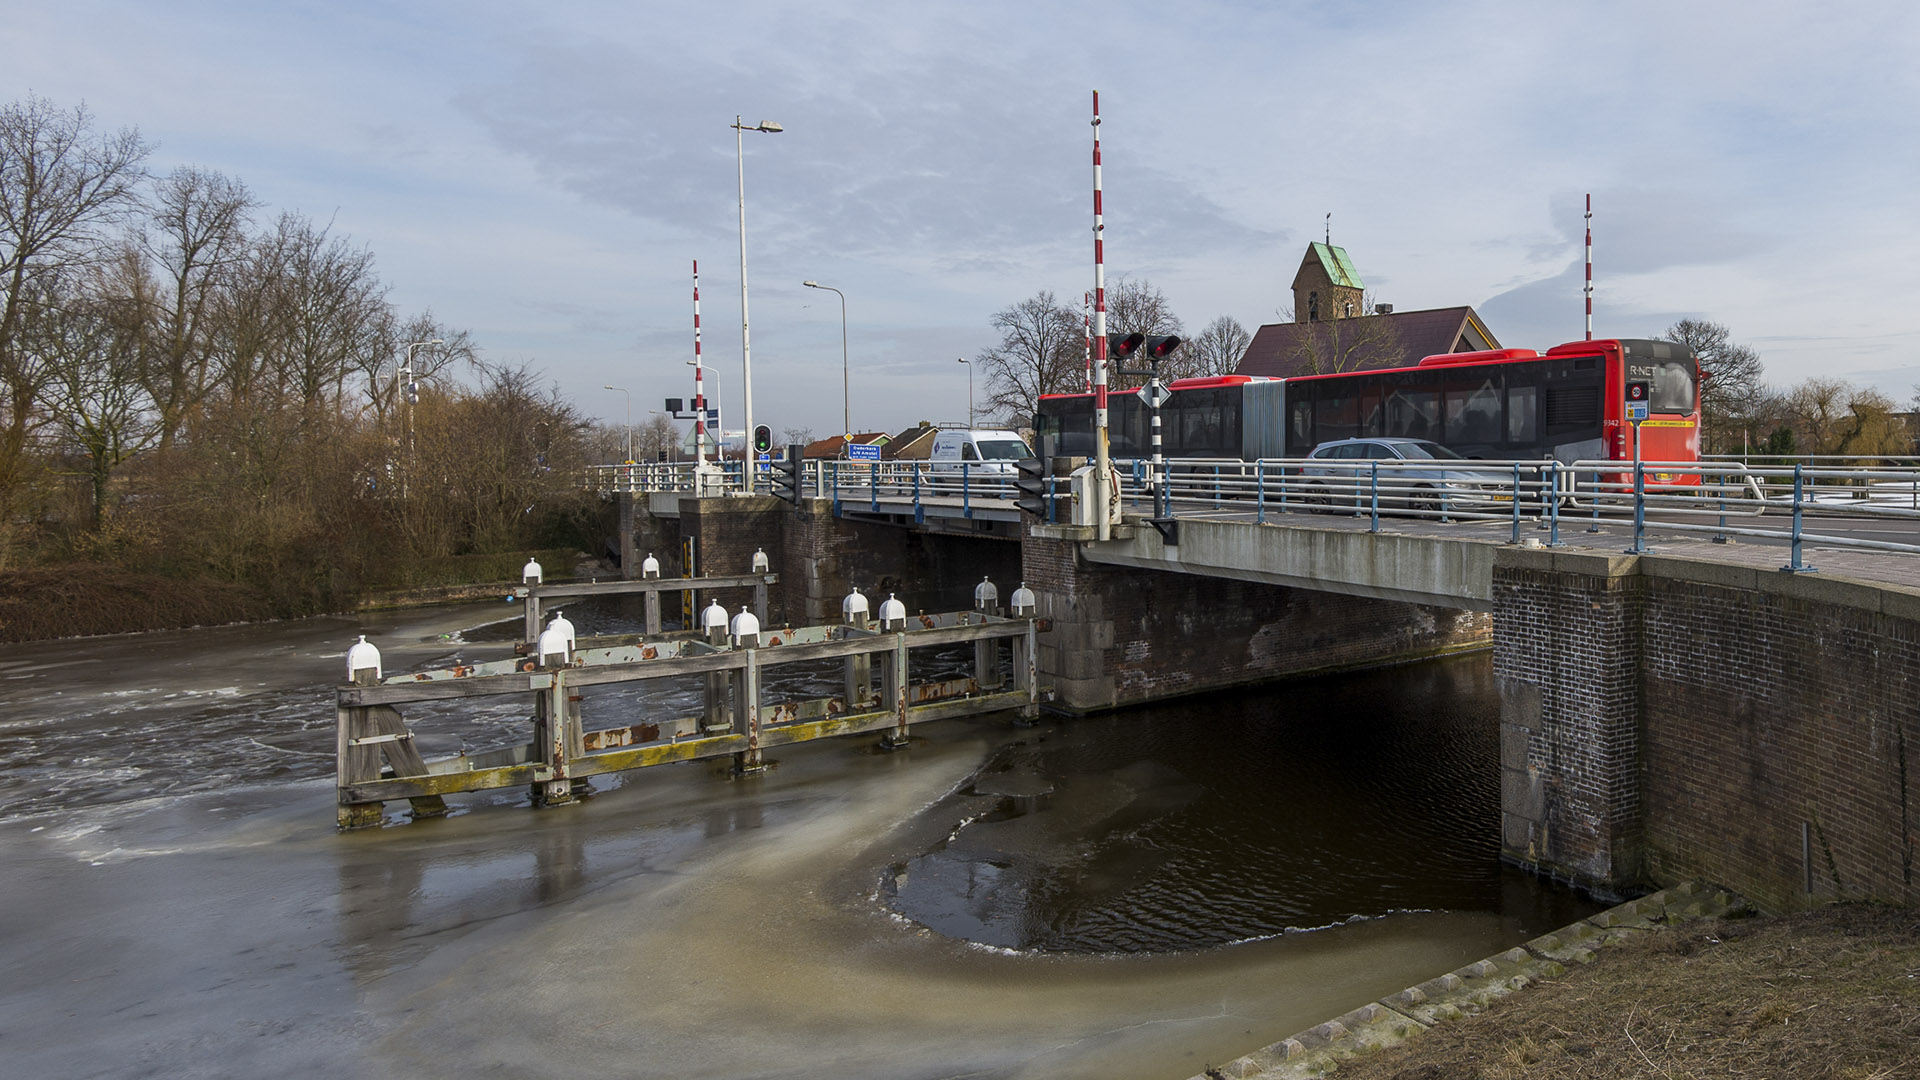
{"x":1567,"y":404}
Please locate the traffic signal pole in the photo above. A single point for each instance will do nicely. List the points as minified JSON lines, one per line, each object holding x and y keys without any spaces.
{"x":1102,"y":529}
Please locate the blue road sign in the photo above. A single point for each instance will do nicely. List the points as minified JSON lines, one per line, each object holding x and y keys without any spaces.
{"x":1636,"y":411}
{"x":863,"y":452}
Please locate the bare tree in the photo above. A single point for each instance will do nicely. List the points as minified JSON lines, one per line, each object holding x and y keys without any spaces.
{"x":197,"y":234}
{"x":656,"y":438}
{"x":1354,"y":343}
{"x":99,"y":406}
{"x":335,"y":318}
{"x":1041,"y":346}
{"x":1216,"y":350}
{"x":1730,"y":390}
{"x":61,"y":187}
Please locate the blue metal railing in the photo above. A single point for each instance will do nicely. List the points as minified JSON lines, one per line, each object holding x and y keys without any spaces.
{"x":1723,"y":499}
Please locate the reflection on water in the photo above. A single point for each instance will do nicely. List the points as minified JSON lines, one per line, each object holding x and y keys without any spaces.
{"x":1232,"y":817}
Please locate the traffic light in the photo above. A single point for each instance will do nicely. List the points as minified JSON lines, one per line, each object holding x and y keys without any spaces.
{"x":1032,"y":496}
{"x":786,"y":475}
{"x":762,"y":439}
{"x":1162,"y":347}
{"x":1123,"y":346}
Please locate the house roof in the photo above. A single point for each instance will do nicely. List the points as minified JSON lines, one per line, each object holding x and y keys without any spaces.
{"x":1339,"y":268}
{"x":834,"y":446}
{"x":1281,"y":349}
{"x":915,"y":443}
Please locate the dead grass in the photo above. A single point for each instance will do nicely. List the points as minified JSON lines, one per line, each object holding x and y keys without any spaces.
{"x":78,"y":601}
{"x":1832,"y":994}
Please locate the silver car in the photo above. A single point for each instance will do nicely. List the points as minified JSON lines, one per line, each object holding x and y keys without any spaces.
{"x":1407,"y":486}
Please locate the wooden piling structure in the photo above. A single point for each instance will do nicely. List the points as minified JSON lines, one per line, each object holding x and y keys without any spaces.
{"x":733,"y":722}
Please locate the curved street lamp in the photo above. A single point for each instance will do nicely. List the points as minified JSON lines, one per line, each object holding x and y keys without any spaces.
{"x":846,"y":384}
{"x":624,"y":390}
{"x":969,"y":364}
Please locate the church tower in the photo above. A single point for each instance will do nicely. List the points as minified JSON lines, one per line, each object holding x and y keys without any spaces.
{"x":1327,"y":286}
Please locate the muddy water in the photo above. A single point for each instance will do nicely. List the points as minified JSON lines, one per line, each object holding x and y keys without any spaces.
{"x":1124,"y":896}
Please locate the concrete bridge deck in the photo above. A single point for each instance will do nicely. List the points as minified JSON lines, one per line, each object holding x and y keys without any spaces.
{"x":1451,"y":563}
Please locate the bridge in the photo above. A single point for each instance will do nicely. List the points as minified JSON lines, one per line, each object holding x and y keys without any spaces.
{"x":1712,"y":679}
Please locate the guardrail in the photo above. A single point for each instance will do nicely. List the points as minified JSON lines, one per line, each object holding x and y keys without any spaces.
{"x":1711,"y":496}
{"x":1721,"y":496}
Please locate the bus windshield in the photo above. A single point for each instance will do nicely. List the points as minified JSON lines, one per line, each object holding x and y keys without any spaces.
{"x":1673,"y":388}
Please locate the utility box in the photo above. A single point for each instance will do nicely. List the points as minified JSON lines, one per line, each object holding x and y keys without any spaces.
{"x":1082,"y":512}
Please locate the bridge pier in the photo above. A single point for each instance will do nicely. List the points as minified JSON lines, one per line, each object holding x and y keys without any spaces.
{"x":1567,"y":659}
{"x":1120,"y":635}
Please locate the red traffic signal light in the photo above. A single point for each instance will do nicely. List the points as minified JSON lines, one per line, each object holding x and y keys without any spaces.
{"x":1122,"y":346}
{"x":1162,"y":347}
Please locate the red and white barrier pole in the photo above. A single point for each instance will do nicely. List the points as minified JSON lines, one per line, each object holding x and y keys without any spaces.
{"x":1589,"y":266}
{"x":1102,"y":530}
{"x":699,"y":381}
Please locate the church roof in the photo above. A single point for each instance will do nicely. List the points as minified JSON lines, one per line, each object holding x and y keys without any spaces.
{"x":1375,"y":341}
{"x":1339,"y":268}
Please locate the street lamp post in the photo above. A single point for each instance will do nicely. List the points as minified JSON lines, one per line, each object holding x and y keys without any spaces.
{"x":969,"y":390}
{"x":746,"y":354}
{"x":623,"y":390}
{"x":405,"y":374}
{"x":846,"y":382}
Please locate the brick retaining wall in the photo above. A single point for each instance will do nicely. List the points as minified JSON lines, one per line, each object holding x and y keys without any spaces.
{"x":1664,"y":720}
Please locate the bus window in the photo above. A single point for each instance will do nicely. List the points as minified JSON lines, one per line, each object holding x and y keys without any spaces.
{"x":1339,"y":417}
{"x":1300,"y":422}
{"x":1523,"y":415}
{"x":1414,"y":414}
{"x":1473,"y":413}
{"x":1371,"y":419}
{"x":1673,"y":388}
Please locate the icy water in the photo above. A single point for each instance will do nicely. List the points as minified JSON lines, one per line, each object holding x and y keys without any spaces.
{"x":1138,"y":894}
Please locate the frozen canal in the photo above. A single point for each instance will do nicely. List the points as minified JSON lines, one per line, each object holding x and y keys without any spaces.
{"x":1125,"y":896}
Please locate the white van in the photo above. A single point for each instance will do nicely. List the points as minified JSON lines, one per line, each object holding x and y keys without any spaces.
{"x":985,"y":451}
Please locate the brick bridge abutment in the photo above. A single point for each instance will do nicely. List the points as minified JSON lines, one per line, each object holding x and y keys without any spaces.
{"x":1664,"y":718}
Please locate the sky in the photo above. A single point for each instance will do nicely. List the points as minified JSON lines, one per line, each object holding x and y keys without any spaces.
{"x":545,"y":175}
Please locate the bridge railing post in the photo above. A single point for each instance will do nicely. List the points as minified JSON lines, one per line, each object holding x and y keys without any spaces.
{"x":1516,"y":502}
{"x":1797,"y":565}
{"x":966,"y":491}
{"x":1595,"y":527}
{"x":1260,"y":493}
{"x":1373,"y":496}
{"x":1552,"y":495}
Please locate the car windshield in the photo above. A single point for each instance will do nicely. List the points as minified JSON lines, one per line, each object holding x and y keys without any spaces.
{"x":1003,"y":450}
{"x":1416,"y":451}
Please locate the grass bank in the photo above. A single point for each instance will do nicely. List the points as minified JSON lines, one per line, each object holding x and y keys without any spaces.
{"x":83,"y":600}
{"x":1831,"y":993}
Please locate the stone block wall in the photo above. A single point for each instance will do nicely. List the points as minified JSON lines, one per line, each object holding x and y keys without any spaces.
{"x":1119,"y":636}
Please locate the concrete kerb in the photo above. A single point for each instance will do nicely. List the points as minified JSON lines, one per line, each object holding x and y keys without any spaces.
{"x":1395,"y":1019}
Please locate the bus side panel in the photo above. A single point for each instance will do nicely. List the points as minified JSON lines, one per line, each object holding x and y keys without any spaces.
{"x":1263,"y":422}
